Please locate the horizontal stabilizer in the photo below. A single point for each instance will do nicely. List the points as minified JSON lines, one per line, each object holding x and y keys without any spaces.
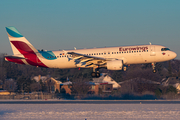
{"x":15,"y":57}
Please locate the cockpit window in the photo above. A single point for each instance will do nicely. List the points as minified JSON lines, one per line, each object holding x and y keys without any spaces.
{"x":164,"y":49}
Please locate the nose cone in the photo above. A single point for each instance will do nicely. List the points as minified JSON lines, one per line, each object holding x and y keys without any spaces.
{"x":174,"y":55}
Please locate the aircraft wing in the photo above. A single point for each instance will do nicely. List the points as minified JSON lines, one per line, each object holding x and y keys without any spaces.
{"x":82,"y":60}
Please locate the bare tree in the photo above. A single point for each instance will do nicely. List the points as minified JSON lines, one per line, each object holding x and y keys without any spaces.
{"x":10,"y":85}
{"x":81,"y":87}
{"x":35,"y":87}
{"x":50,"y":85}
{"x":142,"y":73}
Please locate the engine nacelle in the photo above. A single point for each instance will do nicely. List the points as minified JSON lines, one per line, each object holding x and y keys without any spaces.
{"x":115,"y":65}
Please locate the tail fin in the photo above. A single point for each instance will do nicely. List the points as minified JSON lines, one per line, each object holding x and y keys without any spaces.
{"x":19,"y":44}
{"x":24,"y":52}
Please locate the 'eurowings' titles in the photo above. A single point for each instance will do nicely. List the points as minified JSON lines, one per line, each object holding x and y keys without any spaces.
{"x":132,"y":48}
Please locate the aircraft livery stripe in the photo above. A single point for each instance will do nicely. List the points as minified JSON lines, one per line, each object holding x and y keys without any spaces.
{"x":13,"y":32}
{"x":28,"y":53}
{"x":19,"y":61}
{"x":22,"y":47}
{"x":48,"y":55}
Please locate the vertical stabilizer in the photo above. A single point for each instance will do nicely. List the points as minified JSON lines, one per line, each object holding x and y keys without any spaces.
{"x":23,"y":50}
{"x":19,"y":44}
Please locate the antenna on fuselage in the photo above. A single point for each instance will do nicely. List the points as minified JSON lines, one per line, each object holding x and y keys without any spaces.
{"x":65,"y":51}
{"x":75,"y":48}
{"x":150,"y":43}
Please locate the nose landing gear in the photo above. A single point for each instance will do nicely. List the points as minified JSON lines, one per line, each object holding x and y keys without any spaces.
{"x":154,"y":67}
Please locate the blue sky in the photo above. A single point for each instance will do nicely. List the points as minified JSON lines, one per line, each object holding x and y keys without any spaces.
{"x":54,"y":25}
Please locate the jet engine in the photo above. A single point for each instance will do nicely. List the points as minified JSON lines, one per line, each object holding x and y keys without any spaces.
{"x":115,"y":65}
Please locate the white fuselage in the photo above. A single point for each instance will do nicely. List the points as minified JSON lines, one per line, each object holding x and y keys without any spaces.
{"x":112,"y":58}
{"x":129,"y":54}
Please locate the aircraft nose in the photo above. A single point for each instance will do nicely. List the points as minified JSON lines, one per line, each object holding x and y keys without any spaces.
{"x":174,"y":55}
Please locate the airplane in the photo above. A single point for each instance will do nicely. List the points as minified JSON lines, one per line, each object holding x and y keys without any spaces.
{"x":111,"y":58}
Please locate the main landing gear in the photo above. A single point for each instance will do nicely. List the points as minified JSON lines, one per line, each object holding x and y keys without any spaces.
{"x":95,"y":73}
{"x":154,"y":67}
{"x":124,"y":68}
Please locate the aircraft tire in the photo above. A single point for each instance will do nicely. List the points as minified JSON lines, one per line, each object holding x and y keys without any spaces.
{"x":97,"y":74}
{"x":93,"y":74}
{"x":154,"y":71}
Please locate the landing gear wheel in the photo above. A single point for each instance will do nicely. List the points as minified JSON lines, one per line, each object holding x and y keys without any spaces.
{"x":124,"y":68}
{"x":154,"y":71}
{"x":95,"y":74}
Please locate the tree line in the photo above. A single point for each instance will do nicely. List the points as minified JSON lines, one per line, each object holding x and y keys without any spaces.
{"x":23,"y":74}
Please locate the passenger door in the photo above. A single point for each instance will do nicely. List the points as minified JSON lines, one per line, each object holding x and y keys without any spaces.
{"x":152,"y":50}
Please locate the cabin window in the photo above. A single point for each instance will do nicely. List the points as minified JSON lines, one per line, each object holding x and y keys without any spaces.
{"x":129,"y":51}
{"x":134,"y":51}
{"x":120,"y":52}
{"x":47,"y":57}
{"x":104,"y":53}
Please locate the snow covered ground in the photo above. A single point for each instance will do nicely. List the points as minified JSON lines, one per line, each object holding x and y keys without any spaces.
{"x":89,"y":111}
